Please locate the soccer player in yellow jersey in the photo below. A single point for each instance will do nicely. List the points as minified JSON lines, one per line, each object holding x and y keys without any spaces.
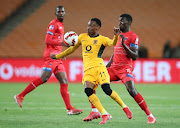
{"x":95,"y":71}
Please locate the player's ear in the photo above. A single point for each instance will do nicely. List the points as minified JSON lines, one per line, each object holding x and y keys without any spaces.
{"x":129,"y":23}
{"x":98,"y":27}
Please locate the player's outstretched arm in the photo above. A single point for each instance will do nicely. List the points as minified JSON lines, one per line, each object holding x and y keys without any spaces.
{"x":65,"y":45}
{"x":132,"y":52}
{"x":66,"y":52}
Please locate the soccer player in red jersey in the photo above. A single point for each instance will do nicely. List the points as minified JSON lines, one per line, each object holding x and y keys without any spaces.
{"x":121,"y":65}
{"x":54,"y":43}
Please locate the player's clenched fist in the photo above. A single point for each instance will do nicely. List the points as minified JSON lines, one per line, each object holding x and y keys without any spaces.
{"x":116,"y":31}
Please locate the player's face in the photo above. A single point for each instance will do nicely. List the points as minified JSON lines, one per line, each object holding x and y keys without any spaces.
{"x":123,"y":23}
{"x":60,"y":13}
{"x":92,"y":27}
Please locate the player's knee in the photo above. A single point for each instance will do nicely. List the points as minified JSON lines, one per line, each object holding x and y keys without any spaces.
{"x":88,"y":91}
{"x":106,"y":88}
{"x":132,"y":92}
{"x":44,"y":79}
{"x":63,"y":81}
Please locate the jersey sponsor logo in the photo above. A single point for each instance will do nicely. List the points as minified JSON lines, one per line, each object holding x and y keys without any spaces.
{"x":88,"y":48}
{"x":119,"y":50}
{"x":95,"y":41}
{"x":51,"y":27}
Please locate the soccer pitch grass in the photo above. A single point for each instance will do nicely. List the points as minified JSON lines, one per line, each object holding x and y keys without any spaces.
{"x":44,"y":107}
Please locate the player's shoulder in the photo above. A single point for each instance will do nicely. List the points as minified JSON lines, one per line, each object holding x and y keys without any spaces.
{"x":52,"y":22}
{"x":83,"y":35}
{"x":103,"y":37}
{"x":132,"y":34}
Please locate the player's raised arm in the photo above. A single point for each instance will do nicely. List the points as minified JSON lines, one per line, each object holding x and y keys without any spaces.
{"x":114,"y":41}
{"x":132,"y":52}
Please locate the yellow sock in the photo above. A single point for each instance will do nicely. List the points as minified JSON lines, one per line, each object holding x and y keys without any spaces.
{"x":95,"y":101}
{"x":116,"y":97}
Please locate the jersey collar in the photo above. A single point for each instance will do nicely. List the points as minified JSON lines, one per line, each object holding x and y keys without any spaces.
{"x":94,"y":36}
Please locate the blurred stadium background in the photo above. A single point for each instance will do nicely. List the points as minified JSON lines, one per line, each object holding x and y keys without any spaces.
{"x":23,"y":25}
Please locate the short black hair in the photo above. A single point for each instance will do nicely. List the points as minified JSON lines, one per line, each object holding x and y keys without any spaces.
{"x":128,"y":17}
{"x":98,"y":21}
{"x":60,"y":6}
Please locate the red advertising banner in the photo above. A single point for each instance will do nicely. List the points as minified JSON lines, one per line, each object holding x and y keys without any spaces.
{"x":146,"y":70}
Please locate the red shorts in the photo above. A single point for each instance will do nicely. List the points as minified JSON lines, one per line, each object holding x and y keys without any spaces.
{"x":54,"y":66}
{"x":124,"y":74}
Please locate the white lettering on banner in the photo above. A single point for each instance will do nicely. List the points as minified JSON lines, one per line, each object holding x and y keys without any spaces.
{"x":178,"y":64}
{"x":6,"y":71}
{"x":32,"y":71}
{"x":76,"y":68}
{"x":137,"y":71}
{"x":149,"y":71}
{"x":163,"y":71}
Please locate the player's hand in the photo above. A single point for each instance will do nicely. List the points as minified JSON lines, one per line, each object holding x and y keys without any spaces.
{"x":64,"y":58}
{"x":123,"y":39}
{"x":53,"y":56}
{"x":116,"y":31}
{"x":65,"y":45}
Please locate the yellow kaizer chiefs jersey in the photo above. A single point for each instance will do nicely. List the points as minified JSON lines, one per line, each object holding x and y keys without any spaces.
{"x":92,"y":49}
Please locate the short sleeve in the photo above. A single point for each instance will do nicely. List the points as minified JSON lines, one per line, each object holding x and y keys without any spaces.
{"x":52,"y":28}
{"x":134,"y":41}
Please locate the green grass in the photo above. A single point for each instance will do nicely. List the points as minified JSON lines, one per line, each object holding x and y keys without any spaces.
{"x":44,"y":107}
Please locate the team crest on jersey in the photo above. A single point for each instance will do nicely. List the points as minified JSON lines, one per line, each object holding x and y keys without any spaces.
{"x":95,"y":41}
{"x":51,"y":27}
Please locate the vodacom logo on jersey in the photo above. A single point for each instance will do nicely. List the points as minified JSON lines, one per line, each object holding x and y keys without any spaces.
{"x":6,"y":71}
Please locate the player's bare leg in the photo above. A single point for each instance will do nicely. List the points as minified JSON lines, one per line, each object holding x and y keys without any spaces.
{"x":32,"y":85}
{"x":62,"y":78}
{"x":140,"y":101}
